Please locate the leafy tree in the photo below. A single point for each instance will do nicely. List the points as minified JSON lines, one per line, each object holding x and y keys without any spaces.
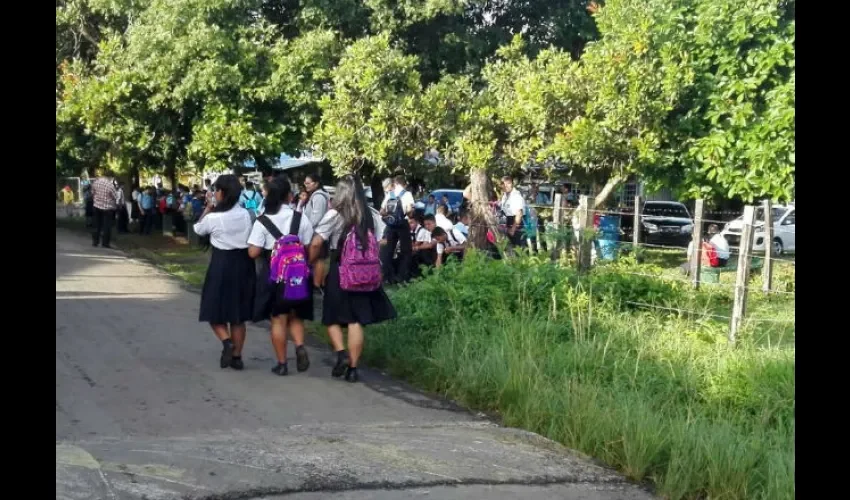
{"x":369,"y":118}
{"x":737,"y":135}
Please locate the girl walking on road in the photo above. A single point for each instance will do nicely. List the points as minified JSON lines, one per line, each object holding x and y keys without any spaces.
{"x":228,"y":293}
{"x":286,"y":316}
{"x":354,"y":296}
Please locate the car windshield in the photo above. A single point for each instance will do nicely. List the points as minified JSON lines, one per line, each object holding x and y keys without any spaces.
{"x":455,"y":198}
{"x":665,"y":210}
{"x":778,"y":212}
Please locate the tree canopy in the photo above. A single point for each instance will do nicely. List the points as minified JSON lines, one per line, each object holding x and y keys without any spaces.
{"x":696,"y":95}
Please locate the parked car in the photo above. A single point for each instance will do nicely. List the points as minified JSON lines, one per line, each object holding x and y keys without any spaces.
{"x":455,"y":198}
{"x":665,"y":223}
{"x":784,"y":226}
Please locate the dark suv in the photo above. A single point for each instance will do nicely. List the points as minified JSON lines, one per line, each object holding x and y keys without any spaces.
{"x":666,"y":223}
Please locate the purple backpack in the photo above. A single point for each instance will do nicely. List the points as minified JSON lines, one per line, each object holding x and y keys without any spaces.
{"x":288,"y":264}
{"x":360,"y":268}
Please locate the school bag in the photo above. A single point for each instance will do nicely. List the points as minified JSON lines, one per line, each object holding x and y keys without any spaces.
{"x":288,"y":263}
{"x":359,"y":267}
{"x":709,"y":255}
{"x":395,"y":211}
{"x":251,"y":204}
{"x":529,"y":220}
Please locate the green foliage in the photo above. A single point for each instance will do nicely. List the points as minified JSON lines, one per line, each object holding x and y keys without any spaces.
{"x":367,"y":118}
{"x":651,"y":392}
{"x":694,"y":95}
{"x":738,"y":138}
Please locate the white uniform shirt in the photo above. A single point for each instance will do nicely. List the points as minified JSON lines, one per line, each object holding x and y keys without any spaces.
{"x":228,"y":230}
{"x":330,"y":228}
{"x":512,"y":203}
{"x":721,"y":246}
{"x":261,"y":237}
{"x":443,"y":222}
{"x":454,"y":238}
{"x":421,"y":235}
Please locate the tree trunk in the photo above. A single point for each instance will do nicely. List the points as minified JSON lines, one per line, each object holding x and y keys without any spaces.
{"x":481,"y":218}
{"x":613,"y":182}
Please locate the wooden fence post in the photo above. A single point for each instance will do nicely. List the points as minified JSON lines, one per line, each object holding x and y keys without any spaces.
{"x":742,"y":277}
{"x":767,"y":270}
{"x":585,"y":240}
{"x":637,"y":225}
{"x":696,"y":243}
{"x":557,"y":222}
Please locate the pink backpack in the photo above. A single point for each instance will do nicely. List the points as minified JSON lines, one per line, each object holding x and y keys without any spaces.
{"x":288,"y":264}
{"x":359,"y":268}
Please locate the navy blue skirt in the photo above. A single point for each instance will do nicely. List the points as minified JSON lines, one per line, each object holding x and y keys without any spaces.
{"x":344,"y":308}
{"x":228,"y":293}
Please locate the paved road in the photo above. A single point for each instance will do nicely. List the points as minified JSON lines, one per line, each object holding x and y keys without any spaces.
{"x":144,"y":412}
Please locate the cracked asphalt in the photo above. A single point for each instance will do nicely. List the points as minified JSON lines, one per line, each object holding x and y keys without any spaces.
{"x":144,"y":412}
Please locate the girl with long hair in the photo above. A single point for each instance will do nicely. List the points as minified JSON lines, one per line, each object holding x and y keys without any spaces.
{"x":284,"y":316}
{"x":341,"y":308}
{"x":228,"y":292}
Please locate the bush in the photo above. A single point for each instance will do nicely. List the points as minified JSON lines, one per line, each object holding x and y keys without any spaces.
{"x":655,"y":394}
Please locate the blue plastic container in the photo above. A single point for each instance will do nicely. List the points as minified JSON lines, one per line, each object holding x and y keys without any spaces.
{"x":609,"y":237}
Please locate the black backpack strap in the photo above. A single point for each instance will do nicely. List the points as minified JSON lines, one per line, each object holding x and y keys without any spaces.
{"x":270,"y":227}
{"x":295,"y":224}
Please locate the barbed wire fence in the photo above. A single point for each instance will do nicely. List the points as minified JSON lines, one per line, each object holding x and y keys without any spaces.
{"x":573,"y":230}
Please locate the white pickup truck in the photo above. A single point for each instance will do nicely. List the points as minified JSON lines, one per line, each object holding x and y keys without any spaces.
{"x":784,"y":225}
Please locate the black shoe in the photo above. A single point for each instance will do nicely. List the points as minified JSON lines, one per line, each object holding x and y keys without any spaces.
{"x":226,"y":355}
{"x":302,"y":361}
{"x":236,"y":363}
{"x":341,"y":364}
{"x":351,"y":374}
{"x":94,"y":244}
{"x":281,"y":369}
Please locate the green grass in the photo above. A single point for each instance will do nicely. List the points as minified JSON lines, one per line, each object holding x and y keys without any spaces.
{"x":658,"y":394}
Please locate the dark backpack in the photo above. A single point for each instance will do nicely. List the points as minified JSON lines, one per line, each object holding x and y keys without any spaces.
{"x":395,"y":211}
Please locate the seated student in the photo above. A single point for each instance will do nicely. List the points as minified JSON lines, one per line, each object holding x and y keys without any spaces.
{"x":450,"y":242}
{"x":423,"y":247}
{"x":442,"y":218}
{"x":463,"y":223}
{"x":715,"y":251}
{"x":721,"y":246}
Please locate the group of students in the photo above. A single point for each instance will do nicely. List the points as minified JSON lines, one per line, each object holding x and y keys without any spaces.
{"x":267,"y":269}
{"x":417,"y":238}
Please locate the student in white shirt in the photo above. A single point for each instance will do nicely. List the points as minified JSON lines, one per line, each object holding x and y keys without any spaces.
{"x":442,"y":218}
{"x":448,"y":242}
{"x":512,"y":206}
{"x":342,"y":308}
{"x":721,"y":246}
{"x":463,"y":224}
{"x":284,"y":316}
{"x":228,"y":293}
{"x":398,"y":232}
{"x":423,"y":247}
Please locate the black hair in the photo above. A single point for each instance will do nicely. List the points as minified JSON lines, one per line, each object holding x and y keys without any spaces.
{"x":429,"y":217}
{"x":315,"y":177}
{"x":432,"y":196}
{"x":438,"y":231}
{"x":277,"y":194}
{"x":230,"y":189}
